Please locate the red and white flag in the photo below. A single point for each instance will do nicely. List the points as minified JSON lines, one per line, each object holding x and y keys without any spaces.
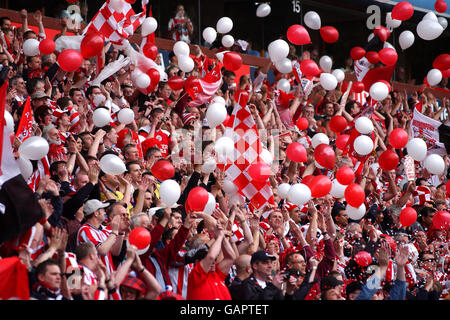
{"x":247,"y":150}
{"x":25,"y":129}
{"x":114,"y":25}
{"x":208,"y":86}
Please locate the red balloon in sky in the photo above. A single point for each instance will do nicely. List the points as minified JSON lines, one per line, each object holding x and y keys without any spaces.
{"x":140,"y":238}
{"x":398,"y":138}
{"x":154,"y":76}
{"x":70,"y":60}
{"x":302,"y":123}
{"x":163,"y":170}
{"x":408,"y":216}
{"x":354,"y":195}
{"x":259,"y":171}
{"x":329,"y":34}
{"x":337,"y":124}
{"x":388,"y":160}
{"x":308,"y":180}
{"x":440,"y":6}
{"x":296,"y":152}
{"x":358,"y":87}
{"x":388,"y":56}
{"x":442,"y":62}
{"x":47,"y":46}
{"x":373,"y":57}
{"x":175,"y":83}
{"x":382,"y":32}
{"x":92,"y":45}
{"x":363,"y":258}
{"x":402,"y":11}
{"x":150,"y":50}
{"x":197,"y":198}
{"x":441,"y":220}
{"x":345,"y":176}
{"x":298,"y":35}
{"x":357,"y":53}
{"x":232,"y":61}
{"x":341,"y":141}
{"x":320,"y":186}
{"x":325,"y":156}
{"x":309,"y":68}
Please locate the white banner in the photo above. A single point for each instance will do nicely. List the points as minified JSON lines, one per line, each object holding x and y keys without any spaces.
{"x":426,"y":128}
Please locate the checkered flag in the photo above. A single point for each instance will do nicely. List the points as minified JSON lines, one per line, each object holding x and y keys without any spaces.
{"x":117,"y":26}
{"x":247,"y":150}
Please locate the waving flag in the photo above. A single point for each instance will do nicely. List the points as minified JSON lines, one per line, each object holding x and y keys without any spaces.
{"x":247,"y":150}
{"x":208,"y":86}
{"x":25,"y":129}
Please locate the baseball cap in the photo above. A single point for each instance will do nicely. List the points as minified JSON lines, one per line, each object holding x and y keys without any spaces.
{"x":39,"y":95}
{"x":261,"y":255}
{"x":93,"y":205}
{"x":329,"y":282}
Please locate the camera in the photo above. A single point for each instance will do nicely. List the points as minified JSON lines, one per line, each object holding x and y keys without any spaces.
{"x":292,"y":272}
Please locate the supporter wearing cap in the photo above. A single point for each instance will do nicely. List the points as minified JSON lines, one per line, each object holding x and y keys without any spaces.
{"x":132,"y":288}
{"x":259,"y":285}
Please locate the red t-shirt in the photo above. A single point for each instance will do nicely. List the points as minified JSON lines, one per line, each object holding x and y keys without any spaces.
{"x":207,"y":285}
{"x":160,"y":140}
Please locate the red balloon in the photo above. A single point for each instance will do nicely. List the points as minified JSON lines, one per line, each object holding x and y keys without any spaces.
{"x":296,"y":152}
{"x":382,"y":32}
{"x":373,"y":57}
{"x":232,"y":61}
{"x":320,"y":186}
{"x":345,"y":176}
{"x":358,"y":87}
{"x":46,"y":46}
{"x":140,"y":238}
{"x":442,"y":62}
{"x":70,"y":60}
{"x":440,"y":6}
{"x":446,"y":73}
{"x":308,"y":180}
{"x":260,"y":171}
{"x":92,"y":45}
{"x":150,"y":51}
{"x":302,"y":123}
{"x":441,"y":220}
{"x":363,"y":258}
{"x":298,"y":35}
{"x":341,"y":141}
{"x":163,"y":170}
{"x":357,"y":53}
{"x":309,"y":68}
{"x":402,"y":11}
{"x":337,"y":124}
{"x":408,"y":216}
{"x":154,"y":76}
{"x":388,"y":160}
{"x":354,"y":195}
{"x":130,"y":1}
{"x":388,"y":56}
{"x":329,"y":34}
{"x":191,"y":82}
{"x":325,"y":156}
{"x":197,"y":199}
{"x":175,"y":83}
{"x":398,"y":138}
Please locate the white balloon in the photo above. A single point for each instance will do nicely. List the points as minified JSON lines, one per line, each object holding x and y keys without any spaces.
{"x":299,"y":194}
{"x":337,"y":189}
{"x":224,"y":25}
{"x":266,"y":156}
{"x":406,"y":39}
{"x":227,"y":41}
{"x":101,"y":117}
{"x":393,"y":23}
{"x":216,"y":114}
{"x":278,"y":50}
{"x":209,"y":34}
{"x":210,"y":205}
{"x":229,"y":187}
{"x":388,"y":45}
{"x":326,"y":63}
{"x":31,"y":47}
{"x":112,"y":164}
{"x":283,"y":190}
{"x":149,"y":26}
{"x":370,"y":37}
{"x":284,"y":85}
{"x":34,"y":148}
{"x":430,"y":16}
{"x":224,"y":146}
{"x":284,"y":65}
{"x":99,"y":99}
{"x":356,"y":213}
{"x":429,"y":29}
{"x":25,"y":166}
{"x":125,"y":116}
{"x":443,"y":22}
{"x":181,"y":48}
{"x":312,"y":20}
{"x":218,"y":99}
{"x":364,"y":125}
{"x":339,"y":74}
{"x":237,"y":198}
{"x":263,"y":10}
{"x":328,"y":81}
{"x":319,"y":138}
{"x":142,"y":81}
{"x":417,"y":149}
{"x":185,"y":63}
{"x":9,"y":121}
{"x":117,"y":5}
{"x":363,"y":145}
{"x":169,"y":192}
{"x":209,"y":165}
{"x":434,"y":76}
{"x":379,"y":91}
{"x":434,"y":164}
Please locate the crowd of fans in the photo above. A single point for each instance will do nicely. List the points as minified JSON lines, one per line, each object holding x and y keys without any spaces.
{"x":279,"y":251}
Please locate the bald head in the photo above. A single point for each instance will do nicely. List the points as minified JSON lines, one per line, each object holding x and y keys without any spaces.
{"x":243,"y":264}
